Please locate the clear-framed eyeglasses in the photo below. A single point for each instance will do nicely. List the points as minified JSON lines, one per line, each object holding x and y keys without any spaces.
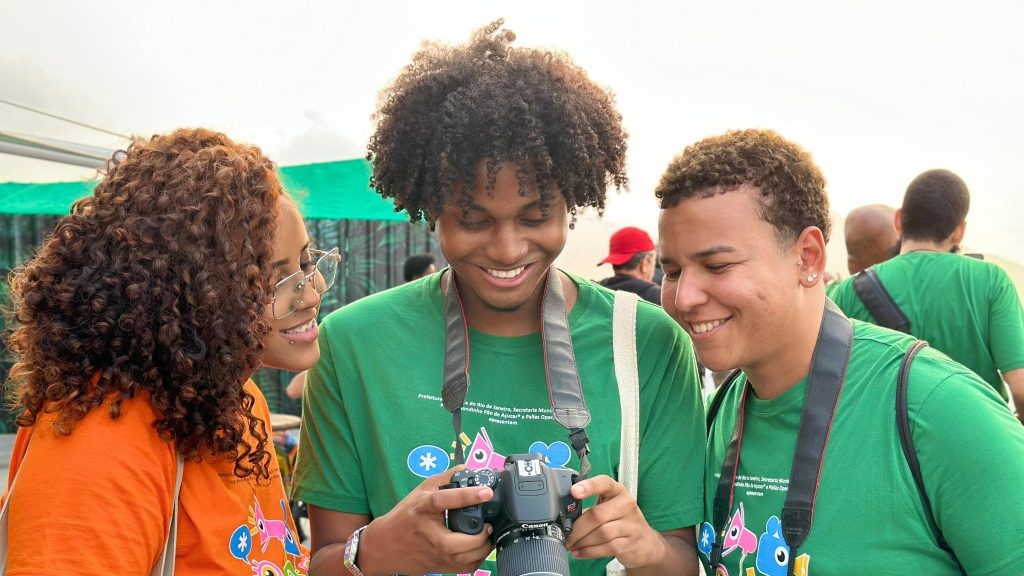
{"x":319,"y":275}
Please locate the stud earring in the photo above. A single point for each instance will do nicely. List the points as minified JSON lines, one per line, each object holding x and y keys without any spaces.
{"x":812,"y":277}
{"x":290,"y":342}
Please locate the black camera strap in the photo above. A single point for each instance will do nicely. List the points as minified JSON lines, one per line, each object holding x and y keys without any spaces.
{"x":564,"y":390}
{"x":828,"y":370}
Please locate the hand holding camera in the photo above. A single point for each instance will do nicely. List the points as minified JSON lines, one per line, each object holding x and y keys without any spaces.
{"x":416,"y":527}
{"x":615,"y":526}
{"x":532,"y":513}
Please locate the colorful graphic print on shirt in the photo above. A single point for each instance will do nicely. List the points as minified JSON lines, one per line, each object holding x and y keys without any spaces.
{"x":427,"y":460}
{"x":772,"y":552}
{"x":269,"y":530}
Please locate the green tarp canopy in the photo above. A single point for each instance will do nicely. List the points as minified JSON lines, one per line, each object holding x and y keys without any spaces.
{"x":326,"y":190}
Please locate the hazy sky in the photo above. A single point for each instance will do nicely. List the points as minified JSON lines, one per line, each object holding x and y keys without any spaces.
{"x":877,"y":91}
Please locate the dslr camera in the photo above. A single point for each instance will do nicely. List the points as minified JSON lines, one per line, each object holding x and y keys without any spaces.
{"x":532,"y":512}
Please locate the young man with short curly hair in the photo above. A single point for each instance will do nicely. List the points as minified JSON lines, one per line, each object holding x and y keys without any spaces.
{"x":808,"y":429}
{"x":497,"y":147}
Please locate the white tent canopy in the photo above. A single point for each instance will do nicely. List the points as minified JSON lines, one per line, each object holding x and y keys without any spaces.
{"x":53,"y":150}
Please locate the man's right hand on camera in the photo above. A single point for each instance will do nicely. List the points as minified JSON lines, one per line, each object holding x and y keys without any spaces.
{"x":410,"y":539}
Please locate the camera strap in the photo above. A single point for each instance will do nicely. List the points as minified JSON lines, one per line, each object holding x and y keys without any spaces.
{"x":828,"y":370}
{"x":564,"y":390}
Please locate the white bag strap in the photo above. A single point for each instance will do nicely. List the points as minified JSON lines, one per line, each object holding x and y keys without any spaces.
{"x":165,"y":563}
{"x":628,"y":376}
{"x":3,"y":527}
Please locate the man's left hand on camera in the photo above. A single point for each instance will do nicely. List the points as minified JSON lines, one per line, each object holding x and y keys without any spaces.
{"x":416,"y":527}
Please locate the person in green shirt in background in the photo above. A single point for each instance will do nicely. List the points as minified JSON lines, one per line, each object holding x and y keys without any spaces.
{"x":743,"y":229}
{"x":963,"y":306}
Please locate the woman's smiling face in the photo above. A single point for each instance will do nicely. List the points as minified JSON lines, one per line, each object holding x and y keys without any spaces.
{"x":291,"y":343}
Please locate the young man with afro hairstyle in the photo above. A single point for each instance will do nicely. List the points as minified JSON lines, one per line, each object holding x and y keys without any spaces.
{"x":813,"y":410}
{"x":497,"y":147}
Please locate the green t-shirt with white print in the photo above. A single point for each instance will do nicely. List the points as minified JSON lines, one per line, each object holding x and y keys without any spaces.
{"x":869,"y":517}
{"x":374,"y":427}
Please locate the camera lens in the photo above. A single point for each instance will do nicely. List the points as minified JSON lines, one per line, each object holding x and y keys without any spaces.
{"x":532,"y":552}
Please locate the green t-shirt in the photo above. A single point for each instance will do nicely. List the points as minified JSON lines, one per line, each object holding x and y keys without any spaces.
{"x":374,"y":427}
{"x":869,"y":517}
{"x":965,"y":307}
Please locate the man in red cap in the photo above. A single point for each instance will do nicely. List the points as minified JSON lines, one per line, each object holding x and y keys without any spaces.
{"x":631,"y":254}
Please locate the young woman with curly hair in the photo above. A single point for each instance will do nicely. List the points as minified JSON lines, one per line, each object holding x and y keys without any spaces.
{"x":139,"y":323}
{"x":498,"y":147}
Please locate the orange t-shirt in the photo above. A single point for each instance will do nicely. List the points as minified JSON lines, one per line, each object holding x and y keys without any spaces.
{"x":99,"y":502}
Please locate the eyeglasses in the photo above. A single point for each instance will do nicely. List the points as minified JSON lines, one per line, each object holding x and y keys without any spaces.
{"x":288,"y":292}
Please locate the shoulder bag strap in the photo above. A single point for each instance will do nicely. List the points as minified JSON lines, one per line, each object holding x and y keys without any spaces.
{"x":879,"y":302}
{"x":3,"y":525}
{"x":628,"y":377}
{"x":165,"y":563}
{"x":907,"y":441}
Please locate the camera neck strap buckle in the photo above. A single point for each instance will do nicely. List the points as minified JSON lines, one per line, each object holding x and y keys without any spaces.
{"x":581,"y":444}
{"x":568,"y":406}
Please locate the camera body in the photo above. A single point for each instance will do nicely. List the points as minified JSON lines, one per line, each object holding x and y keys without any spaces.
{"x":532,"y":512}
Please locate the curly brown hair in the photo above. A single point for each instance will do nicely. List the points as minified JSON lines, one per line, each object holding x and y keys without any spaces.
{"x":792,"y":188}
{"x":454,"y":106}
{"x":156,"y":284}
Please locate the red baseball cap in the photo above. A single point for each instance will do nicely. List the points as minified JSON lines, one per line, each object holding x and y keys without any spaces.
{"x":625,"y":243}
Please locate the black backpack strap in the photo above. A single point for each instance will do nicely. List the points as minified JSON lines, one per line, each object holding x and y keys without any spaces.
{"x":718,"y":397}
{"x":879,"y":302}
{"x":907,"y":441}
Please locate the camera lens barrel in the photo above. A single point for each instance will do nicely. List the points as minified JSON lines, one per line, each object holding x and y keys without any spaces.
{"x":532,"y":552}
